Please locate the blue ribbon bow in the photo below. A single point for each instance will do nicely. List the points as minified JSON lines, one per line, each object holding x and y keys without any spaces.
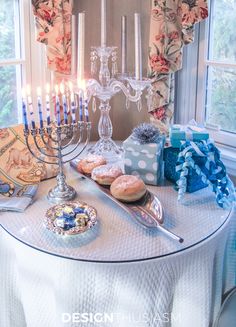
{"x":215,"y":177}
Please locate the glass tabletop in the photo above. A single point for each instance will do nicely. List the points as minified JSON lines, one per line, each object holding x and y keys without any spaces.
{"x":117,"y":237}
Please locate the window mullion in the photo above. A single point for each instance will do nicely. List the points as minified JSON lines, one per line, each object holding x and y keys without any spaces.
{"x":10,"y":62}
{"x":202,"y":74}
{"x":25,"y":40}
{"x":220,"y":64}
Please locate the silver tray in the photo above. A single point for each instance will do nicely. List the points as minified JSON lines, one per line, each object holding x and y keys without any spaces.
{"x":53,"y":215}
{"x":148,"y":211}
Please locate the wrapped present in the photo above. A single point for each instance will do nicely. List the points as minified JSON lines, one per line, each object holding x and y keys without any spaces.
{"x":144,"y":154}
{"x":194,"y":181}
{"x":198,"y":164}
{"x":191,"y":132}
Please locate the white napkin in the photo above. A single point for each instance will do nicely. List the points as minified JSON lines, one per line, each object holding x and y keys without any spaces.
{"x":18,"y":203}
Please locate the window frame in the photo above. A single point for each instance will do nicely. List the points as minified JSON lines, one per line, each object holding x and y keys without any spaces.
{"x":32,"y":57}
{"x":23,"y":59}
{"x":226,"y":139}
{"x":191,"y":91}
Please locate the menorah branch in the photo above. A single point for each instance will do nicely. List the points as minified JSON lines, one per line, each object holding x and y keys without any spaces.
{"x":46,"y":154}
{"x":62,"y":191}
{"x":26,"y":134}
{"x":84,"y":146}
{"x":46,"y":143}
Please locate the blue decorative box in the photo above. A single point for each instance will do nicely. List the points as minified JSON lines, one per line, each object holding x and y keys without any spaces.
{"x":192,"y":132}
{"x":194,"y":181}
{"x":145,"y":160}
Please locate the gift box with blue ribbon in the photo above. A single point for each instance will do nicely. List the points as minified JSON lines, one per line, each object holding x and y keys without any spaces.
{"x":194,"y":181}
{"x":197,"y":165}
{"x":192,"y":132}
{"x":144,"y":159}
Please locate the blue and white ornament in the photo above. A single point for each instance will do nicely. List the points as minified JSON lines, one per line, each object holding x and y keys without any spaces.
{"x":217,"y":179}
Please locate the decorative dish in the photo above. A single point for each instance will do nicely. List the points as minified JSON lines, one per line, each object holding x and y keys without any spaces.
{"x":70,"y":218}
{"x":148,"y":211}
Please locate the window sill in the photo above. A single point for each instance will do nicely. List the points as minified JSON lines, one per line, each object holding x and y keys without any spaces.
{"x":228,"y":156}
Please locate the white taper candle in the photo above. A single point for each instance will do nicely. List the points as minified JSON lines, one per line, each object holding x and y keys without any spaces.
{"x":73,"y":45}
{"x":103,"y":23}
{"x":124,"y":44}
{"x":81,"y":45}
{"x":138,"y":47}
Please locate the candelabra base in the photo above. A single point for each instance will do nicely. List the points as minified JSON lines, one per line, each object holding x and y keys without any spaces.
{"x":108,"y":149}
{"x":57,"y":195}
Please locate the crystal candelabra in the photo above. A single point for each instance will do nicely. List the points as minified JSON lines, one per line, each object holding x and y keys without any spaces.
{"x":107,"y":86}
{"x":108,"y":82}
{"x":60,"y":147}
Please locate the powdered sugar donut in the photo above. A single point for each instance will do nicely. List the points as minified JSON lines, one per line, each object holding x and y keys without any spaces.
{"x":86,"y":165}
{"x":106,"y":174}
{"x":128,"y":188}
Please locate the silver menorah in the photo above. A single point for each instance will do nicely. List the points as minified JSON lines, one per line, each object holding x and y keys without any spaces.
{"x":61,"y":147}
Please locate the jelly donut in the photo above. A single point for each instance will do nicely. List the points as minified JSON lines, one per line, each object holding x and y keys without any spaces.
{"x":128,"y":188}
{"x":106,"y":174}
{"x":86,"y":165}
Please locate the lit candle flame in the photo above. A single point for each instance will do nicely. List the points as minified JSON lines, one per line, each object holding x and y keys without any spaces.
{"x":62,"y":88}
{"x":48,"y":88}
{"x":81,"y":84}
{"x":56,"y":89}
{"x":39,"y":92}
{"x":28,"y":89}
{"x":71,"y":86}
{"x":23,"y":93}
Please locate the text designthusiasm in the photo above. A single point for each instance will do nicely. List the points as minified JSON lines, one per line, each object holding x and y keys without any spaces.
{"x":110,"y":318}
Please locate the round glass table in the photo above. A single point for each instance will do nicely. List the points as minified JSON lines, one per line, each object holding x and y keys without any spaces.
{"x":118,"y":270}
{"x":118,"y":237}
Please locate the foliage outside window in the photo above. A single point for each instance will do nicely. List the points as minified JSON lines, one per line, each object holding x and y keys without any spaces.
{"x":221,"y":66}
{"x":10,"y":59}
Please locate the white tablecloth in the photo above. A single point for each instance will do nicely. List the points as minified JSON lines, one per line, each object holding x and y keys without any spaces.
{"x":168,"y":285}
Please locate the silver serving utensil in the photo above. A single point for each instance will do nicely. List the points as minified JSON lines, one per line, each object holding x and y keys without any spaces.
{"x":147,"y":211}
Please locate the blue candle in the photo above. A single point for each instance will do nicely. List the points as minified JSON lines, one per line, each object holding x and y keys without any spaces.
{"x":73,"y":108}
{"x":65,"y":109}
{"x":81,"y":106}
{"x":58,"y":107}
{"x":25,"y":120}
{"x":86,"y":112}
{"x":62,"y":89}
{"x":30,"y":103}
{"x":48,"y":110}
{"x":40,"y":108}
{"x":72,"y":102}
{"x":58,"y":111}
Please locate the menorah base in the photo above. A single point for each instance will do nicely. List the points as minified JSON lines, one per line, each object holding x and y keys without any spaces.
{"x":56,"y":195}
{"x":108,"y":149}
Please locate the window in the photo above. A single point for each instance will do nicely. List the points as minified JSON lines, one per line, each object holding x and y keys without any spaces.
{"x":216,"y":87}
{"x":14,"y":60}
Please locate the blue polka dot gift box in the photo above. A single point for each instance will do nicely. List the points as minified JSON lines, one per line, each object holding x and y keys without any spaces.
{"x":144,"y":158}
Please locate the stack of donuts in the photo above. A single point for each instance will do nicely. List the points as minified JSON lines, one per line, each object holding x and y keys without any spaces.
{"x":127,"y":188}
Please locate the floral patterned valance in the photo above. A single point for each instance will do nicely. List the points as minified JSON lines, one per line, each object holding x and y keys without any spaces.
{"x":53,"y":22}
{"x":172,"y":26}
